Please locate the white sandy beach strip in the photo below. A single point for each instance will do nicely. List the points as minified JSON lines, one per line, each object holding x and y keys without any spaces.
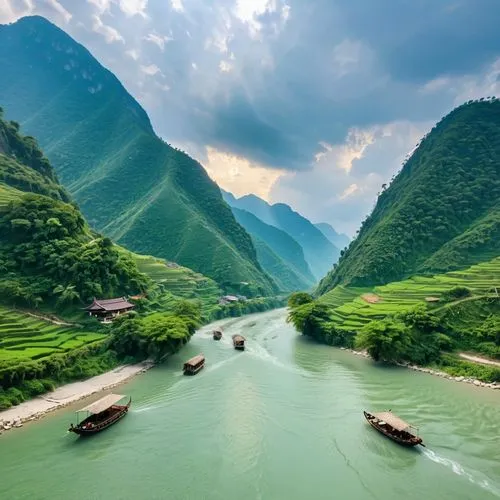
{"x":67,"y":394}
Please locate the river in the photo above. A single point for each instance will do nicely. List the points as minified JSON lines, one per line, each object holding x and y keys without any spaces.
{"x":281,"y":420}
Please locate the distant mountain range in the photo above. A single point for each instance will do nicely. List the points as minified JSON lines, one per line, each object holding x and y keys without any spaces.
{"x":279,"y":254}
{"x":319,"y":252}
{"x":340,"y":240}
{"x":130,"y":185}
{"x":441,"y":212}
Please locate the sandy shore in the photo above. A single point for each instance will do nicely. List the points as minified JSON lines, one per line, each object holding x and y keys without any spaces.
{"x":66,"y":394}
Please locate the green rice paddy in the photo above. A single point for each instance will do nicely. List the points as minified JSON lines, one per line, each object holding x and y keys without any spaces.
{"x":176,"y":281}
{"x":351,"y":312}
{"x":25,"y":337}
{"x":7,"y":194}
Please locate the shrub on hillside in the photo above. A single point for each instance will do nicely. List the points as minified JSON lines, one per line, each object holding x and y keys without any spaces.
{"x":456,"y":293}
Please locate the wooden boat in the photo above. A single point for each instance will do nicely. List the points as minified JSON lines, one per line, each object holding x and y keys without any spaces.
{"x":394,"y":428}
{"x":194,"y":365}
{"x":239,"y":342}
{"x":217,"y":333}
{"x":100,"y":415}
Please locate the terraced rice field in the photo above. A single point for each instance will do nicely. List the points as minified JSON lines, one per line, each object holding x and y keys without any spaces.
{"x":177,"y":281}
{"x":7,"y":194}
{"x":351,"y":312}
{"x":23,"y":336}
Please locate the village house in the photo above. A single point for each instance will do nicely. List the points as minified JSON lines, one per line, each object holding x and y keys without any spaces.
{"x":231,"y":299}
{"x":106,"y":310}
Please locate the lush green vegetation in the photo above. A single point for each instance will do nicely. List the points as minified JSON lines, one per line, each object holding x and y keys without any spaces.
{"x":21,"y":380}
{"x":319,"y":252}
{"x":417,"y":320}
{"x":25,"y":337}
{"x":50,"y":260}
{"x":130,"y":185}
{"x":48,"y":255}
{"x":157,"y":335}
{"x":174,"y":282}
{"x":441,"y":212}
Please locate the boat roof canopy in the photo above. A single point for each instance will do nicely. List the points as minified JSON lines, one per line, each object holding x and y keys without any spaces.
{"x":102,"y":404}
{"x":194,"y":361}
{"x":394,"y":421}
{"x":238,"y":337}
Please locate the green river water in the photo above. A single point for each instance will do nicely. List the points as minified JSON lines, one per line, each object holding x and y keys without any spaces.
{"x":281,"y":420}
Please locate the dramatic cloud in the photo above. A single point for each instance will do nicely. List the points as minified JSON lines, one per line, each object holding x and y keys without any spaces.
{"x":314,"y":102}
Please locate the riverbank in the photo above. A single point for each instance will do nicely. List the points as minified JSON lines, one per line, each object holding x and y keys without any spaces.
{"x":431,"y":371}
{"x":64,"y":395}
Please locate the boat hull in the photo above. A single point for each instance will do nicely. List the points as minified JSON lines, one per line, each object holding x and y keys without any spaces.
{"x":100,"y":426}
{"x":239,"y":347}
{"x":410,"y":442}
{"x":195,"y":371}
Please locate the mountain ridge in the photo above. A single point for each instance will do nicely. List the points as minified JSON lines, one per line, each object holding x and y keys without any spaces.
{"x":319,"y":252}
{"x":282,"y":247}
{"x":441,"y":212}
{"x":340,"y":240}
{"x":129,"y":183}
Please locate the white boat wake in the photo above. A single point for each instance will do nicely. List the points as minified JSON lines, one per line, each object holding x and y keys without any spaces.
{"x":460,"y":471}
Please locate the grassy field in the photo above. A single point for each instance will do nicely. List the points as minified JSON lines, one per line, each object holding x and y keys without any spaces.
{"x":350,"y":311}
{"x":25,"y":337}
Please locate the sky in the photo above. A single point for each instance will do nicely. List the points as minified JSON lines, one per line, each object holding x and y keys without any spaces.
{"x":314,"y":103}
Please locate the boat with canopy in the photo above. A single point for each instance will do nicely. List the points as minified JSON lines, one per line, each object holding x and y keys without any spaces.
{"x":100,"y":415}
{"x":217,"y":334}
{"x":394,"y":428}
{"x":194,"y":365}
{"x":239,"y":342}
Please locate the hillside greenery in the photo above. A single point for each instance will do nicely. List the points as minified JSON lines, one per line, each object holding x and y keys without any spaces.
{"x":48,"y":254}
{"x":422,"y":320}
{"x":130,"y":185}
{"x":441,"y":212}
{"x":283,"y":275}
{"x":319,"y":253}
{"x":52,"y":262}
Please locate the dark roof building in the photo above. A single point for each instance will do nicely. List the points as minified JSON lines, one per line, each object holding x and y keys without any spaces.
{"x":107,"y":309}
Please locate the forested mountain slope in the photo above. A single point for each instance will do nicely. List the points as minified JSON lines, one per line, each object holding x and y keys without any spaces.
{"x":130,"y":184}
{"x":319,"y":252}
{"x":281,"y":243}
{"x":441,"y":212}
{"x":48,"y":254}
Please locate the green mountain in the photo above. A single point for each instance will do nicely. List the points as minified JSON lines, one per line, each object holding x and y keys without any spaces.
{"x":340,"y":240}
{"x":319,"y":252}
{"x":283,"y":251}
{"x":441,"y":212}
{"x":48,"y":254}
{"x":130,"y":185}
{"x":285,"y":277}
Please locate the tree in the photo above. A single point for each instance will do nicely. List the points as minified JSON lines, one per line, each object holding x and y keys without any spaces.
{"x":298,"y":299}
{"x":385,"y":340}
{"x":67,"y":294}
{"x":309,"y":318}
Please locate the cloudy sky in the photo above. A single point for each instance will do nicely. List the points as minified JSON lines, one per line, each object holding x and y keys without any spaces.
{"x":310,"y":102}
